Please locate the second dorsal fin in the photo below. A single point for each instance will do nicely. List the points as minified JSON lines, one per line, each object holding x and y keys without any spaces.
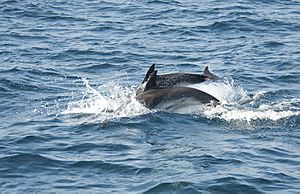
{"x":151,"y":83}
{"x":209,"y":74}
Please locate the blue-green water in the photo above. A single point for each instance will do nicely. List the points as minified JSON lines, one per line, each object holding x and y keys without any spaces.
{"x":69,"y":121}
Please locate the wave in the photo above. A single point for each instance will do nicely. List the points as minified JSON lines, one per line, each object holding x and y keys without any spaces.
{"x":29,"y":162}
{"x":34,"y":71}
{"x":37,"y":163}
{"x":32,"y":80}
{"x":169,"y":187}
{"x":9,"y":84}
{"x":106,"y":147}
{"x":222,"y":185}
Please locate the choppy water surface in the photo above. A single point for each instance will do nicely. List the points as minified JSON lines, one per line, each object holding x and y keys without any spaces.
{"x":70,"y":122}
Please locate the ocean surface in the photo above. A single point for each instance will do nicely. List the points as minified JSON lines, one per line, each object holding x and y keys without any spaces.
{"x":69,"y":121}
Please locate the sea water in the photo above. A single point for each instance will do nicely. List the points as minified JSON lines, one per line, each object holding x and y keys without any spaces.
{"x":70,"y":121}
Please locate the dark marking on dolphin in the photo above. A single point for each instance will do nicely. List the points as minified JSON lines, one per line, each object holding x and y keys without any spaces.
{"x":153,"y":95}
{"x":172,"y":79}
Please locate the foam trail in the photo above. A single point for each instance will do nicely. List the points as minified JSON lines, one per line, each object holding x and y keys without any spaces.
{"x":237,"y":105}
{"x":249,"y":115}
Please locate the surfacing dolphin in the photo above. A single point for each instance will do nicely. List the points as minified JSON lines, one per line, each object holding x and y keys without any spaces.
{"x":172,"y":79}
{"x":154,"y":96}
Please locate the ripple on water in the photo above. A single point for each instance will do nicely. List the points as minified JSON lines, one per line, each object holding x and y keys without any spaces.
{"x":69,"y":120}
{"x":231,"y":184}
{"x":169,"y":187}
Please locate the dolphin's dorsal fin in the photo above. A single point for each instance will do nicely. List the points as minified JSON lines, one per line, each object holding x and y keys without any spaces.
{"x":149,"y":72}
{"x":151,"y":83}
{"x":209,"y":74}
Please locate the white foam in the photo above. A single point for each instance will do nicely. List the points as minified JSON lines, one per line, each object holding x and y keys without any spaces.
{"x":227,"y":90}
{"x":249,"y":115}
{"x":107,"y":102}
{"x":110,"y":101}
{"x":238,"y":105}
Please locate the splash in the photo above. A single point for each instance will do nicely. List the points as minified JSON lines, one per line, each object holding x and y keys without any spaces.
{"x":227,"y":91}
{"x":238,"y":105}
{"x":108,"y":101}
{"x":111,"y":101}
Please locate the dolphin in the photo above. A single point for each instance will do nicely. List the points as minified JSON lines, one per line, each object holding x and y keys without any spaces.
{"x":173,"y":79}
{"x":177,"y":79}
{"x":155,"y":96}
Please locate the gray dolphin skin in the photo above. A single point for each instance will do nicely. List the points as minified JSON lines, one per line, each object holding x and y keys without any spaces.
{"x":173,"y":79}
{"x":154,"y":96}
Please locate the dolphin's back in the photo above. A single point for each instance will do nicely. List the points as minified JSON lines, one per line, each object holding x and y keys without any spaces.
{"x":173,"y":79}
{"x":152,"y":98}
